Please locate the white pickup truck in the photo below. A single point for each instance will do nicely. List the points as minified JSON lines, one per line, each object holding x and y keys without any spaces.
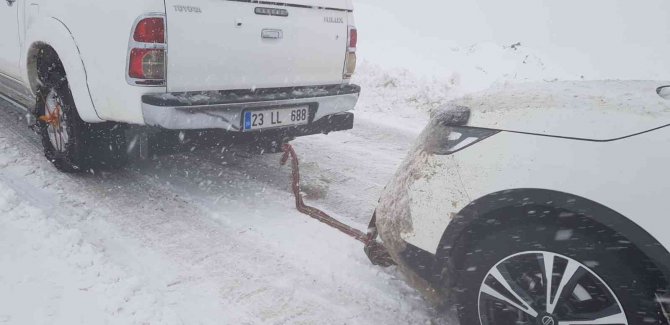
{"x":259,"y":71}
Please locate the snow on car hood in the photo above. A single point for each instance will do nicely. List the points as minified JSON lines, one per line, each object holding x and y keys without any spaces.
{"x":594,"y":110}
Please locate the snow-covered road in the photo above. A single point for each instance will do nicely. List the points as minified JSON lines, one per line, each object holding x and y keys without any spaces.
{"x":206,"y":237}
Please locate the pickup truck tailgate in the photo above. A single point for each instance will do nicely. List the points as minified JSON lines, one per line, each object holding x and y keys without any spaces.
{"x":234,"y":44}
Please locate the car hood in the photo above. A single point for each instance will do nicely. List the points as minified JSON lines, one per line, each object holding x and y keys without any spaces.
{"x":593,"y":110}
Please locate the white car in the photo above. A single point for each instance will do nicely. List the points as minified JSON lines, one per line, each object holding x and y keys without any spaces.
{"x":263,"y":71}
{"x":540,"y":203}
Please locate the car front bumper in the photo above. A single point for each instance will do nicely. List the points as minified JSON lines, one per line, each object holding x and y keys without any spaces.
{"x":329,"y":106}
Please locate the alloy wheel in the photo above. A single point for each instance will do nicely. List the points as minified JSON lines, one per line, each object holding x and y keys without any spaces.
{"x":56,"y":125}
{"x":544,"y":288}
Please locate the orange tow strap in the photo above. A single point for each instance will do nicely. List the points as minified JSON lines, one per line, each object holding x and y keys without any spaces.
{"x":376,"y":252}
{"x":52,"y":118}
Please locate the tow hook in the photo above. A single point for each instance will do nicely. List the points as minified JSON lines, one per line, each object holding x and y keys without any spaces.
{"x":375,"y":251}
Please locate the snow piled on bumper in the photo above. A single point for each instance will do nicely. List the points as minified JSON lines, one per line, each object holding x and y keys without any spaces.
{"x":394,"y":215}
{"x":419,"y":203}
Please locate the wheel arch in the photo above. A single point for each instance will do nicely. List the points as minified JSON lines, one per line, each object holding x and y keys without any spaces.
{"x":479,"y":212}
{"x":51,"y":34}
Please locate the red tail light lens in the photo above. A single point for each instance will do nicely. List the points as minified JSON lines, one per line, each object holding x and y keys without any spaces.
{"x":353,"y":38}
{"x":150,"y":30}
{"x":147,"y":64}
{"x":350,"y":59}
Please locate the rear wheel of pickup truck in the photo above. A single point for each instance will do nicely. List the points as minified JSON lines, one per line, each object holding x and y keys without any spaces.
{"x":71,"y":144}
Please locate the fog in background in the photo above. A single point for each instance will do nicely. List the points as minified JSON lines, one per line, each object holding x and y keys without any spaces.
{"x":596,"y":39}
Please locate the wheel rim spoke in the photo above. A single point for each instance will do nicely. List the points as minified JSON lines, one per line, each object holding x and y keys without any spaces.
{"x":56,"y":142}
{"x":55,"y":121}
{"x":548,"y":260}
{"x":570,"y":271}
{"x":495,"y":294}
{"x":503,"y":281}
{"x":618,"y":319}
{"x":61,"y":140}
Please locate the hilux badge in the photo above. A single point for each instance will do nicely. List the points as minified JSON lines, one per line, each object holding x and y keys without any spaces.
{"x":333,"y":20}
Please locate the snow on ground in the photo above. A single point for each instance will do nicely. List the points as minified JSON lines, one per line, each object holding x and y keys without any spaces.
{"x":207,"y":237}
{"x":50,"y":275}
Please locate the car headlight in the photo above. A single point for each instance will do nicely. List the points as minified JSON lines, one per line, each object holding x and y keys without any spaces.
{"x":447,"y":134}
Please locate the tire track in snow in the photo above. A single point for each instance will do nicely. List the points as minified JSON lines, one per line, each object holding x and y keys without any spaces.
{"x":231,"y":251}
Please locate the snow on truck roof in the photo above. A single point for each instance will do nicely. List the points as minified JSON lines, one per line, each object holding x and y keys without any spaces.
{"x":597,"y":110}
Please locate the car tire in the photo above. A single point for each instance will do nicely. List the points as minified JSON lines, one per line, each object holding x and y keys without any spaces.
{"x":71,"y":144}
{"x":517,"y":253}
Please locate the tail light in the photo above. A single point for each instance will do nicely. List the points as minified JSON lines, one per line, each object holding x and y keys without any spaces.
{"x":147,"y":51}
{"x":147,"y":64}
{"x":350,"y":59}
{"x":353,"y":38}
{"x":150,"y":30}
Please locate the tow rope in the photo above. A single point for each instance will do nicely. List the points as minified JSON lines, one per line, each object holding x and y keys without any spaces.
{"x":52,"y":118}
{"x":375,"y":251}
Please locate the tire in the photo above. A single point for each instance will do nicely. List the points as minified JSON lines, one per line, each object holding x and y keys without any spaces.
{"x":611,"y":271}
{"x":71,"y":144}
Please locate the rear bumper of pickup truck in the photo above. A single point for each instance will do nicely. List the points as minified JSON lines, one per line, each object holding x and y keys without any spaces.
{"x":330,"y":108}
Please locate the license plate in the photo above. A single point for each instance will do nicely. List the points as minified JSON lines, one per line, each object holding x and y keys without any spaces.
{"x":274,"y":118}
